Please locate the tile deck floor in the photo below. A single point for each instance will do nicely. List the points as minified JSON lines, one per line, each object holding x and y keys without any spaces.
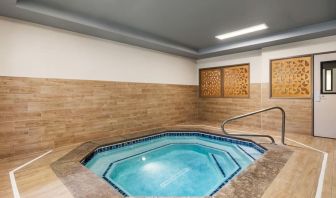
{"x":298,"y":178}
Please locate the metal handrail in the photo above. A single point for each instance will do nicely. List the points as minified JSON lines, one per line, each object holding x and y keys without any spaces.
{"x":257,"y":135}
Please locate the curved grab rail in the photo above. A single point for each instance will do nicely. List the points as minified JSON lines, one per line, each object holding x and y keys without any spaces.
{"x":256,"y":135}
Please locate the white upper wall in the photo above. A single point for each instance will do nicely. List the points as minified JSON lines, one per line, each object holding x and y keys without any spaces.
{"x":320,"y":45}
{"x":260,"y":60}
{"x":30,"y":50}
{"x":251,"y":57}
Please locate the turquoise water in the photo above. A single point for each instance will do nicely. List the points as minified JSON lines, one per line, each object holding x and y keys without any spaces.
{"x":172,"y":166}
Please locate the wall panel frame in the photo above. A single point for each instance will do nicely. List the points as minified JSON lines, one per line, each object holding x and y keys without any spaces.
{"x":236,"y":81}
{"x":291,"y":77}
{"x":211,"y":82}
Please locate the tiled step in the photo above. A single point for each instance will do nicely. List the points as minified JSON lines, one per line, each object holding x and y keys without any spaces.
{"x":251,"y":152}
{"x":226,"y":164}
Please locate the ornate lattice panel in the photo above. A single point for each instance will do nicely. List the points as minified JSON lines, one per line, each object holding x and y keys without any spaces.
{"x":210,"y":82}
{"x":291,"y":78}
{"x":236,"y":81}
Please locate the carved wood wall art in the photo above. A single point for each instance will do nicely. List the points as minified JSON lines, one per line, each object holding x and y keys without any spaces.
{"x":236,"y":81}
{"x":291,"y":77}
{"x":211,"y":82}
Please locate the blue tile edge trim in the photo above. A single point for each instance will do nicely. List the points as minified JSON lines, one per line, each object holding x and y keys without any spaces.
{"x":246,"y":152}
{"x":109,"y":167}
{"x":230,"y":177}
{"x":115,"y":187}
{"x":175,"y":134}
{"x":220,"y":168}
{"x":105,"y":177}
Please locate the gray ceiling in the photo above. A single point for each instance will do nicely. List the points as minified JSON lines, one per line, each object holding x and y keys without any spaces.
{"x":183,"y":27}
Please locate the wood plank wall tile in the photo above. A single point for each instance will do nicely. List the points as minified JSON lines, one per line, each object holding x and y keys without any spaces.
{"x":298,"y":111}
{"x":38,"y":114}
{"x":299,"y":116}
{"x":219,"y":109}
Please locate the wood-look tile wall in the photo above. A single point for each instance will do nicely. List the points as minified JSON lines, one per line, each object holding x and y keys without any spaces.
{"x":298,"y":111}
{"x":218,"y":109}
{"x":299,"y":116}
{"x":38,"y":114}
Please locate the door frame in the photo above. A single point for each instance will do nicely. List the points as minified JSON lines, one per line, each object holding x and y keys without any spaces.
{"x":313,"y":92}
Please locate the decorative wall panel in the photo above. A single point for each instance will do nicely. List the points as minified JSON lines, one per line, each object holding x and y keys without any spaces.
{"x":211,"y":82}
{"x":236,"y":81}
{"x":291,"y":77}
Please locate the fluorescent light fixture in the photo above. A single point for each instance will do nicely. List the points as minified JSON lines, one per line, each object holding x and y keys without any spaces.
{"x":242,"y":31}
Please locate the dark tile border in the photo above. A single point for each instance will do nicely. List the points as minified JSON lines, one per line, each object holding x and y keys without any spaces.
{"x":217,"y":137}
{"x":221,"y":170}
{"x":81,"y":182}
{"x":245,"y":152}
{"x":230,"y":177}
{"x":253,"y":181}
{"x":163,"y":132}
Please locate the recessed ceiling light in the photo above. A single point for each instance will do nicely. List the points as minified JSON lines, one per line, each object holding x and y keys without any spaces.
{"x":242,"y":31}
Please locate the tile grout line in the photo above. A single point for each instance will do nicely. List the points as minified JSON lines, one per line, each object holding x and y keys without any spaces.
{"x":15,"y":190}
{"x":318,"y":194}
{"x":319,"y":189}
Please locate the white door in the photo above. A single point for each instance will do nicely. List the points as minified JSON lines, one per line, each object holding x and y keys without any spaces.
{"x":325,"y":95}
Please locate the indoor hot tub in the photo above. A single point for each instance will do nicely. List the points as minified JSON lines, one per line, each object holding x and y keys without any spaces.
{"x":173,"y":163}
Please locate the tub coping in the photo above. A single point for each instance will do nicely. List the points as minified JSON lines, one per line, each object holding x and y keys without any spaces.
{"x":251,"y":182}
